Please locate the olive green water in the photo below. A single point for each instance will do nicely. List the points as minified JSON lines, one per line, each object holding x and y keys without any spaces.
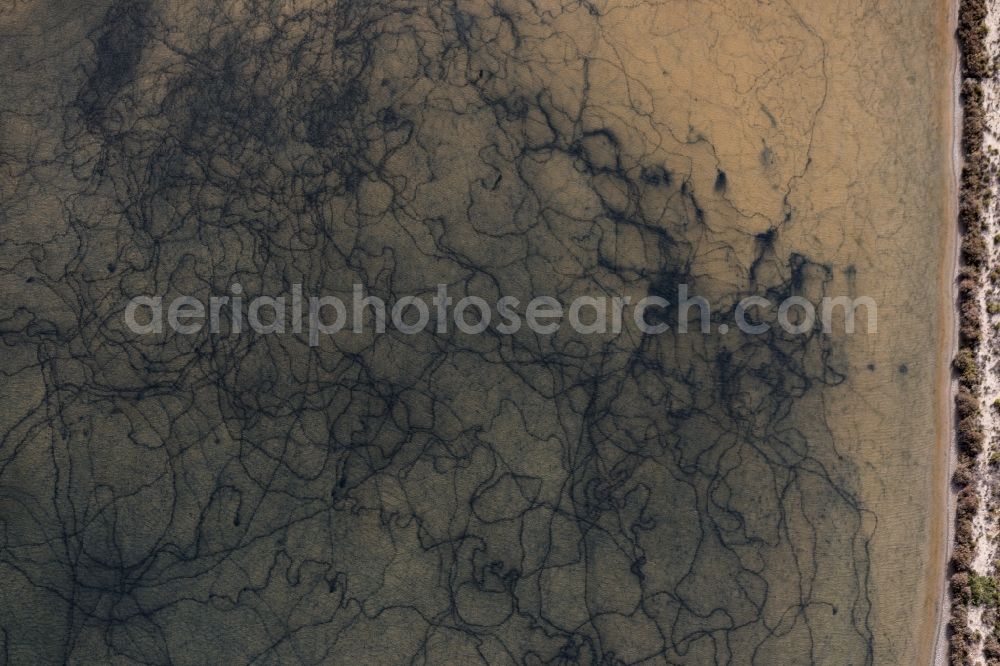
{"x":449,"y":498}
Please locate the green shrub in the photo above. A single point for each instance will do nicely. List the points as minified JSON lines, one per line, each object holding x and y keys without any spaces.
{"x":962,"y":476}
{"x":984,"y":590}
{"x":966,"y":404}
{"x":968,"y":370}
{"x":970,"y":436}
{"x":974,"y":249}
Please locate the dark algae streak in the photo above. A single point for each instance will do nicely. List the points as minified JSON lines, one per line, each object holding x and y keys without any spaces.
{"x":446,"y":498}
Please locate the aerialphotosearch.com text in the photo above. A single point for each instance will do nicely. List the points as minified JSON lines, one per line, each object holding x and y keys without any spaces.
{"x":319,"y":316}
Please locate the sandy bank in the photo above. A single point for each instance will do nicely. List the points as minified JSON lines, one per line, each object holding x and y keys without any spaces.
{"x":937,"y":605}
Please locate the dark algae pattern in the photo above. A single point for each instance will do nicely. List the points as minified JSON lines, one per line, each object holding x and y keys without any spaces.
{"x":443,"y":497}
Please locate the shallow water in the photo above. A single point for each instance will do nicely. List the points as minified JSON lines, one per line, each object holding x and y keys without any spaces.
{"x":451,"y":498}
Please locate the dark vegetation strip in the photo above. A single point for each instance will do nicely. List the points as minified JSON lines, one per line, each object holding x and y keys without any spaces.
{"x":967,"y":587}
